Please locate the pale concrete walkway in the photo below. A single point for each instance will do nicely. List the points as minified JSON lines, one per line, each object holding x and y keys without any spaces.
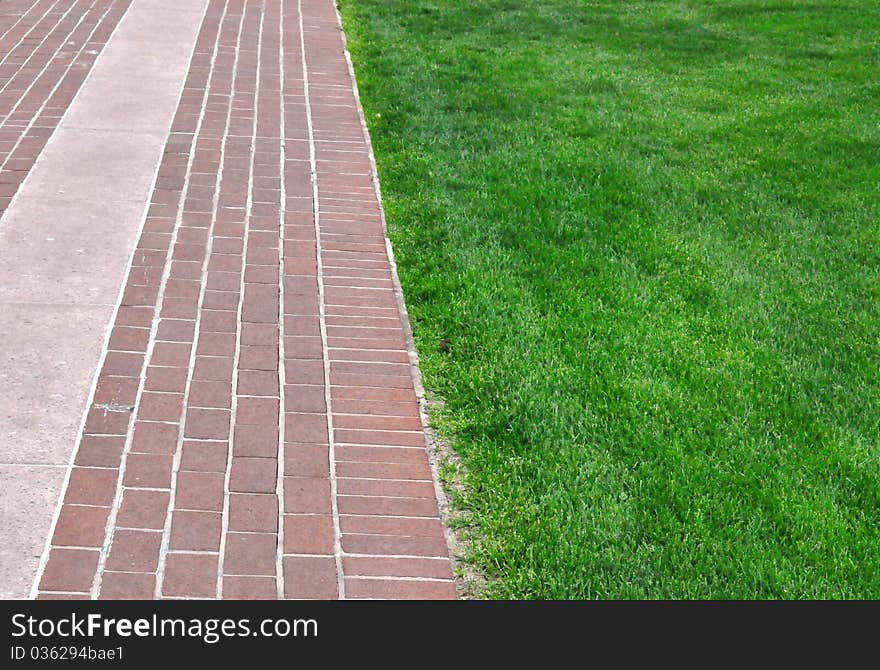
{"x":203,"y":229}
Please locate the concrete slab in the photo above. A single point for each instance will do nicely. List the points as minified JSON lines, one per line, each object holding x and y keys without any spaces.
{"x":140,"y":58}
{"x":27,"y":498}
{"x":104,"y":107}
{"x":46,"y":371}
{"x":108,"y":165}
{"x":57,"y":250}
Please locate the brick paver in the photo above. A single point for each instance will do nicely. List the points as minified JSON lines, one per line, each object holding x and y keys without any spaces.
{"x":47,"y":48}
{"x":254,"y":430}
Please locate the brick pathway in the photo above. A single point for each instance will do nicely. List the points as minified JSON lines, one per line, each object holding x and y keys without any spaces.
{"x":47,"y":48}
{"x":254,"y":431}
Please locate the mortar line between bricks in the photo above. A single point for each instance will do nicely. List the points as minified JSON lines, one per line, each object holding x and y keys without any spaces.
{"x":233,"y":401}
{"x":415,"y":370}
{"x":282,"y":372}
{"x":322,"y":319}
{"x":154,"y":325}
{"x":24,"y":37}
{"x":105,"y":348}
{"x":172,"y":498}
{"x":31,"y":124}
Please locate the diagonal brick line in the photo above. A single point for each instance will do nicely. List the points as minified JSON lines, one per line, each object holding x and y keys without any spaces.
{"x":59,"y":46}
{"x":13,"y":10}
{"x":25,"y":128}
{"x":255,"y":431}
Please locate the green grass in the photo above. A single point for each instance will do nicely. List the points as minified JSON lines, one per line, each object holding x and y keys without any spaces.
{"x":650,"y":231}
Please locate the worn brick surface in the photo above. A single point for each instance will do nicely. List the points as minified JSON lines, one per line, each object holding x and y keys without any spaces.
{"x":256,"y":406}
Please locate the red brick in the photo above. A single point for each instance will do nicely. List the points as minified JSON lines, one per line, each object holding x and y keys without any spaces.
{"x":384,"y":566}
{"x":172,"y":380}
{"x":383,"y":423}
{"x":255,"y":357}
{"x":200,"y":491}
{"x":399,"y":589}
{"x":216,"y":344}
{"x":361,"y":454}
{"x":171,"y":353}
{"x":371,"y":394}
{"x":387,"y":506}
{"x":306,"y":460}
{"x":249,"y":588}
{"x":102,"y":421}
{"x":91,"y":486}
{"x":192,"y":575}
{"x":262,"y":334}
{"x":204,"y":456}
{"x":394,"y":545}
{"x":135,"y":316}
{"x":160,"y":407}
{"x":309,"y":428}
{"x":250,"y":554}
{"x":175,"y":330}
{"x":223,"y":281}
{"x":225,"y":300}
{"x":100,"y":450}
{"x":126,"y":338}
{"x":304,"y":398}
{"x":339,"y":355}
{"x":303,"y":347}
{"x":213,"y":369}
{"x":216,"y":321}
{"x":385,"y":487}
{"x":207,"y":424}
{"x":69,"y":570}
{"x":258,"y":383}
{"x":116,"y":390}
{"x":210,"y":394}
{"x":127,"y":586}
{"x":253,"y":475}
{"x":154,"y":438}
{"x":81,"y":526}
{"x":308,"y":534}
{"x":134,"y":551}
{"x":261,"y":274}
{"x":148,"y":471}
{"x":372,"y":524}
{"x":306,"y":495}
{"x":382,"y":437}
{"x":256,"y":441}
{"x":301,"y":371}
{"x":196,"y":531}
{"x":384,"y":471}
{"x":302,"y":325}
{"x":253,"y":512}
{"x":257,"y":411}
{"x":311,"y":577}
{"x":143,"y":509}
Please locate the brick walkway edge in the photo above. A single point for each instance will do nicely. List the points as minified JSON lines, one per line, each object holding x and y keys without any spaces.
{"x":254,"y":431}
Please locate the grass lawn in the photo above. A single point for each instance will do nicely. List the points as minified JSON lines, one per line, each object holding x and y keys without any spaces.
{"x":650,"y":232}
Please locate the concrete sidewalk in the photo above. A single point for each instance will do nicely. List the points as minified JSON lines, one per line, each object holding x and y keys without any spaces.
{"x":208,"y":389}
